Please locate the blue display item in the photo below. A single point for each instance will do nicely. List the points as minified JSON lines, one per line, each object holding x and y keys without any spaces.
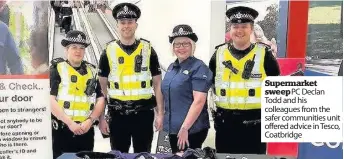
{"x":320,"y":150}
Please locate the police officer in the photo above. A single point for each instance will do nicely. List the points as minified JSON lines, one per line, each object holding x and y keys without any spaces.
{"x":75,"y":99}
{"x":129,"y":69}
{"x":239,"y":69}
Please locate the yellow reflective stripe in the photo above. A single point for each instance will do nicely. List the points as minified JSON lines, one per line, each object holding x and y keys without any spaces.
{"x":145,"y":54}
{"x":259,"y":52}
{"x":225,"y":85}
{"x":84,"y":113}
{"x":238,"y":100}
{"x":133,"y":92}
{"x":220,"y":58}
{"x":239,"y":92}
{"x":113,"y":79}
{"x":134,"y":78}
{"x":65,"y":79}
{"x":245,"y":106}
{"x":113,"y":57}
{"x":74,"y":98}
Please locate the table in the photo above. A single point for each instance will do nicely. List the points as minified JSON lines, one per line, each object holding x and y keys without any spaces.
{"x":219,"y":156}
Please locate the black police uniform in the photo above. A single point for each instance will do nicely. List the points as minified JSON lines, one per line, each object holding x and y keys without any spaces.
{"x":64,"y":140}
{"x":228,"y":139}
{"x":139,"y":125}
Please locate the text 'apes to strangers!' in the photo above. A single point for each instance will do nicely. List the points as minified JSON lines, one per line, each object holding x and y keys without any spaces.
{"x":25,"y":124}
{"x":302,"y":109}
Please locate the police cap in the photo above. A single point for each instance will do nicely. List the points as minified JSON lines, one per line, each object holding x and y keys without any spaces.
{"x":75,"y":37}
{"x":183,"y":30}
{"x":241,"y":14}
{"x":126,"y":11}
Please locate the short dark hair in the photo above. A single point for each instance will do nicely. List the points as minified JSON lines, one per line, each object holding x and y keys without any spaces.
{"x":230,"y":24}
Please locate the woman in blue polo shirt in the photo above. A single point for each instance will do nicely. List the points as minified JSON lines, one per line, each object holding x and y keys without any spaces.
{"x":185,"y":87}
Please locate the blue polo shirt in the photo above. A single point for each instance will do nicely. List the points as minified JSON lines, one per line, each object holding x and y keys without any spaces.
{"x":180,"y":80}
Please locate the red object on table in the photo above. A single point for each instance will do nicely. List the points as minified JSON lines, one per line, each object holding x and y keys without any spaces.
{"x":282,"y":149}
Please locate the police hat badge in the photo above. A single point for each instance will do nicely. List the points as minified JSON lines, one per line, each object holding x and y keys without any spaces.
{"x":180,"y":30}
{"x":125,"y":8}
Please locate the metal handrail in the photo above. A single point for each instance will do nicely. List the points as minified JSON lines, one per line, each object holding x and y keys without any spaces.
{"x":107,"y":23}
{"x":78,"y":27}
{"x":95,"y":45}
{"x":51,"y":34}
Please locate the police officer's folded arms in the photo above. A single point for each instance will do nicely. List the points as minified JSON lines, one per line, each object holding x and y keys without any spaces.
{"x":185,"y":87}
{"x":75,"y":106}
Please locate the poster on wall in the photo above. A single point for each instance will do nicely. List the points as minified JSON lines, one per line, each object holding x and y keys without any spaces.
{"x":24,"y":80}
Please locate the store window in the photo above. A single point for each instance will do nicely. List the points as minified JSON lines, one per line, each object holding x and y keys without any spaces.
{"x":325,"y":36}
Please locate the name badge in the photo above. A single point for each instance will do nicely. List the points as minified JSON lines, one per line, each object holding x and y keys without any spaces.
{"x":186,"y":72}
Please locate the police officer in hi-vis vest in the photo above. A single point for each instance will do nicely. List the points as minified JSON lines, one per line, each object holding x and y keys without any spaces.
{"x":129,"y":70}
{"x":239,"y":69}
{"x":76,"y":98}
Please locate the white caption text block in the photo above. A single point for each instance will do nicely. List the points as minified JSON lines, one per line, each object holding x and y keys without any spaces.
{"x":302,"y":109}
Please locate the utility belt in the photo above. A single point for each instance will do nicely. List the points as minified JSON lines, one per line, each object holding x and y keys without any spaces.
{"x":130,"y":107}
{"x":247,"y":117}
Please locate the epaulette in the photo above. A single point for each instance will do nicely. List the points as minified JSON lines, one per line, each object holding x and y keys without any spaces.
{"x":90,"y":64}
{"x":55,"y":61}
{"x":110,"y":41}
{"x":263,"y":44}
{"x":145,"y":40}
{"x":216,"y":47}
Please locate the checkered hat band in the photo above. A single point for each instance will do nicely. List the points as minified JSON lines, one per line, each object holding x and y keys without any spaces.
{"x":131,"y":13}
{"x":182,"y":33}
{"x":241,"y":16}
{"x":76,"y":40}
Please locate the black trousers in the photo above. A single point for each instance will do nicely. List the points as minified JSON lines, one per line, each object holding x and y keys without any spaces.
{"x":195,"y":140}
{"x":64,"y":141}
{"x":238,"y":132}
{"x":138,"y":127}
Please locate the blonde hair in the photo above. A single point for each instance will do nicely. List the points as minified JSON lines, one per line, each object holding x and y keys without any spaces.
{"x":193,"y":46}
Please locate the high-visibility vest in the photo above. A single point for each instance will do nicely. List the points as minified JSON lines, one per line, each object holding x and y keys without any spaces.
{"x":232,"y":91}
{"x":71,"y":97}
{"x":123,"y":82}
